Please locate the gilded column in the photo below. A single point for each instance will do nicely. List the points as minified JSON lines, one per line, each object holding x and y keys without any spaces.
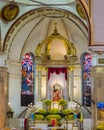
{"x":39,"y":82}
{"x":47,"y":83}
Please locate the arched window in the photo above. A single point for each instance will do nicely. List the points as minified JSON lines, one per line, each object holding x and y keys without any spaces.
{"x":86,"y":78}
{"x":27,"y":85}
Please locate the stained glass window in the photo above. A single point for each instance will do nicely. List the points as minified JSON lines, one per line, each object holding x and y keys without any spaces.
{"x":87,"y":80}
{"x":27,"y":87}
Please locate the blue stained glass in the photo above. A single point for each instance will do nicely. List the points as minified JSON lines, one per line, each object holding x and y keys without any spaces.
{"x":86,"y":69}
{"x":27,"y":75}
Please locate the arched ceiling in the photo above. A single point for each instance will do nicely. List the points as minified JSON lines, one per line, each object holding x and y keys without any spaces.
{"x":41,"y":2}
{"x":46,"y":2}
{"x":34,"y":26}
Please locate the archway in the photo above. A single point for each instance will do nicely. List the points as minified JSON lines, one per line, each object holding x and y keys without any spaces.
{"x":57,"y":83}
{"x":69,"y":25}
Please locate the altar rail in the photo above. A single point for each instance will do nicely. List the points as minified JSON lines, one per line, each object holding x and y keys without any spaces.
{"x":19,"y":124}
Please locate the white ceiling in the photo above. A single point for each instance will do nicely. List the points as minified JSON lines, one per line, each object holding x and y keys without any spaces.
{"x":35,"y":24}
{"x":33,"y":2}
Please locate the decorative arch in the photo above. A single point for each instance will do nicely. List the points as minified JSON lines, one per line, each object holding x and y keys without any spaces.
{"x":70,"y":49}
{"x":57,"y":83}
{"x":29,"y":16}
{"x":87,"y":11}
{"x":44,"y":48}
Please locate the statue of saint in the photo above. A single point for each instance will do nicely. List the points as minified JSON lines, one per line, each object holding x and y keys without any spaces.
{"x":56,"y":95}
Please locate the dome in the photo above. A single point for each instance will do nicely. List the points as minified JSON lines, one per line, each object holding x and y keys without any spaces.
{"x":56,"y":48}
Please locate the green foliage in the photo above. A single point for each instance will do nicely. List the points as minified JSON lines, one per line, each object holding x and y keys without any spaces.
{"x":69,"y":117}
{"x":56,"y":116}
{"x":69,"y":114}
{"x":54,"y":111}
{"x":42,"y":111}
{"x":47,"y":102}
{"x":67,"y":111}
{"x":39,"y":117}
{"x":62,"y":102}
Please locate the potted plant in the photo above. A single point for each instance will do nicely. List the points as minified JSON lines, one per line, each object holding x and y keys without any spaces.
{"x":53,"y":116}
{"x":62,"y":103}
{"x":48,"y":103}
{"x":39,"y":117}
{"x":42,"y":111}
{"x":54,"y":111}
{"x":67,"y":111}
{"x":53,"y":119}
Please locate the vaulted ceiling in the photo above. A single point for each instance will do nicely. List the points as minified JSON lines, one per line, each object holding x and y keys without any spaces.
{"x":35,"y":23}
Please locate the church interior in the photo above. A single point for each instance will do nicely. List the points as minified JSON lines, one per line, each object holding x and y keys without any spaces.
{"x":51,"y":59}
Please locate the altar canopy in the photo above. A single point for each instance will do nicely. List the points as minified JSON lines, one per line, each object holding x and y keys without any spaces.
{"x":57,"y":71}
{"x":57,"y":83}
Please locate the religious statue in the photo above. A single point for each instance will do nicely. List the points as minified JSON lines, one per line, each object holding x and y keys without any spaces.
{"x":56,"y":95}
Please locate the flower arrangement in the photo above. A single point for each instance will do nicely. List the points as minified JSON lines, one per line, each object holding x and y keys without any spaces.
{"x":62,"y":103}
{"x":69,"y":115}
{"x":100,"y":126}
{"x":47,"y":102}
{"x":55,"y":116}
{"x":39,"y":117}
{"x":67,"y":111}
{"x":42,"y":111}
{"x":54,"y":111}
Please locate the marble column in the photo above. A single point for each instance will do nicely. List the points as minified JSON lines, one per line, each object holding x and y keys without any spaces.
{"x":71,"y":84}
{"x":98,"y":93}
{"x":3,"y":96}
{"x":3,"y":90}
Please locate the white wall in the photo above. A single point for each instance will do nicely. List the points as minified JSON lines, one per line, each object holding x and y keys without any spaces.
{"x":14,"y":90}
{"x":77,"y":84}
{"x":98,"y":19}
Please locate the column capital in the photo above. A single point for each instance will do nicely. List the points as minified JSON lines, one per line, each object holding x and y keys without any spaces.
{"x":14,"y":67}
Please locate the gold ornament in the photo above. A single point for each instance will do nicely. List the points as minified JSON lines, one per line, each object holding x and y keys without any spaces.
{"x":9,"y":12}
